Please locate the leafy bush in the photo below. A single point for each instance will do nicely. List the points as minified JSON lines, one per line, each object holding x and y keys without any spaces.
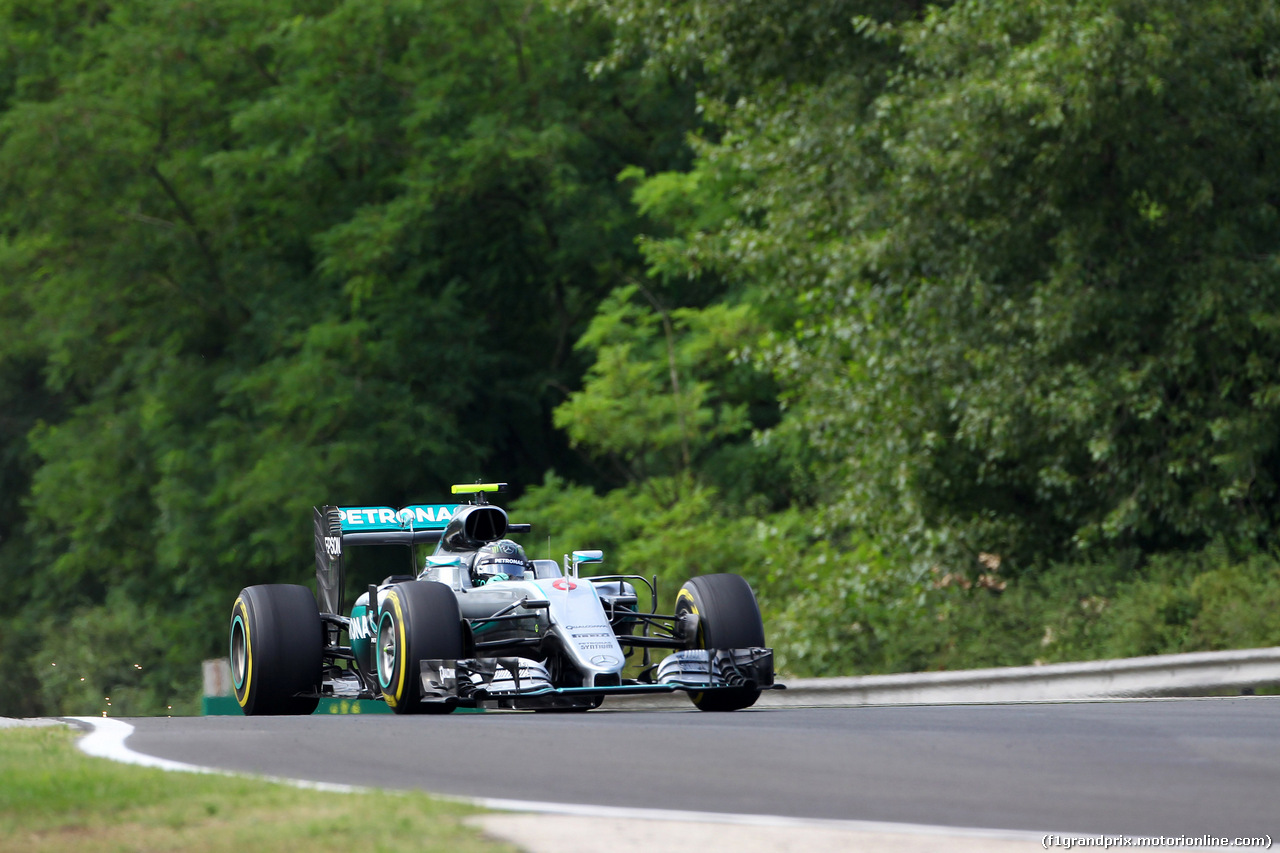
{"x":1104,"y":608}
{"x":122,"y":658}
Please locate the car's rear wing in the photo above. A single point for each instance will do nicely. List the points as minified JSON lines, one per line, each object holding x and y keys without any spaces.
{"x":337,"y":528}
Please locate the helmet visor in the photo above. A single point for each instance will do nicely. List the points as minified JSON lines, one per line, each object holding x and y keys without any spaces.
{"x":509,"y":566}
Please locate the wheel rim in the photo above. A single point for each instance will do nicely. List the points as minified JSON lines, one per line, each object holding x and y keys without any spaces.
{"x":386,"y":650}
{"x":239,"y":652}
{"x":686,"y":604}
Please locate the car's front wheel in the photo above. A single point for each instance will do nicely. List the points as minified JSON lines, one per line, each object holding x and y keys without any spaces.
{"x":417,"y":621}
{"x":277,"y":650}
{"x":728,"y":618}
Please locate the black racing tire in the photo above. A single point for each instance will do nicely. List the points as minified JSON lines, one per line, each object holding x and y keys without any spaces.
{"x":728,"y":618}
{"x":277,"y":650}
{"x":417,"y":620}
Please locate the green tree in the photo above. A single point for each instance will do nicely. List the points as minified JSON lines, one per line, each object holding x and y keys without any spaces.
{"x":659,"y":395}
{"x":1022,"y":261}
{"x":1081,"y":297}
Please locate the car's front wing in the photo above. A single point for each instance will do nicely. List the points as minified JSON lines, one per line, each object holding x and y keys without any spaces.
{"x":522,"y":684}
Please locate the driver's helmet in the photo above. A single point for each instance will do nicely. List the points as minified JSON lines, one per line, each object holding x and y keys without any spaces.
{"x":498,"y":561}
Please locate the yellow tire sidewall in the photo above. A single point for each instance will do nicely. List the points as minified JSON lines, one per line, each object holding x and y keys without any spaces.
{"x":393,"y":601}
{"x":242,"y":692}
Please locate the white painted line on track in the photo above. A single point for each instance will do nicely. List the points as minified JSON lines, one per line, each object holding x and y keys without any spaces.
{"x":762,"y":820}
{"x":106,"y":740}
{"x":107,"y":736}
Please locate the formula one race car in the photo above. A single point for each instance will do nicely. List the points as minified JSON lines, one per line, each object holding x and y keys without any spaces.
{"x":481,"y":625}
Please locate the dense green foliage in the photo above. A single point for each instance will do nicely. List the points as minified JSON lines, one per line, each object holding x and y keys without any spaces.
{"x":1030,"y":255}
{"x":952,"y":328}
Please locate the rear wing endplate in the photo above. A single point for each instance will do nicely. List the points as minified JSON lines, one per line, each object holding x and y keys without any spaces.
{"x":337,"y":528}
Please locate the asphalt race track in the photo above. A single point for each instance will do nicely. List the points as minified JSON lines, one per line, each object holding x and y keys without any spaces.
{"x":1158,"y":767}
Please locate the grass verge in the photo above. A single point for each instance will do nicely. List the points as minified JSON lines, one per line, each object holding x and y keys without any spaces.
{"x":54,"y":798}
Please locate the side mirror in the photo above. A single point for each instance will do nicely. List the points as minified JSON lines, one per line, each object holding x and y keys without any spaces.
{"x":535,"y":603}
{"x":440,"y":561}
{"x":580,"y":557}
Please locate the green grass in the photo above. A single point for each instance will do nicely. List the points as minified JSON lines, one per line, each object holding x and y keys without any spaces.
{"x":54,"y":798}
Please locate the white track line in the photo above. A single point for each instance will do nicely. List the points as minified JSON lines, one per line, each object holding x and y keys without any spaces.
{"x":106,"y":739}
{"x":756,"y":820}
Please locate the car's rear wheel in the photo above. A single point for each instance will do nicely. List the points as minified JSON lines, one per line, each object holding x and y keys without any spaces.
{"x":728,"y":618}
{"x":417,"y":621}
{"x":277,"y":650}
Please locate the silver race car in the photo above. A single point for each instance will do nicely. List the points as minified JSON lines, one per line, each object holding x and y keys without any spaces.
{"x":479,"y":624}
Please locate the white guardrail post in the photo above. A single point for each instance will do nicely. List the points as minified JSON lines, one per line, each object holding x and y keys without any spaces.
{"x":217,"y":677}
